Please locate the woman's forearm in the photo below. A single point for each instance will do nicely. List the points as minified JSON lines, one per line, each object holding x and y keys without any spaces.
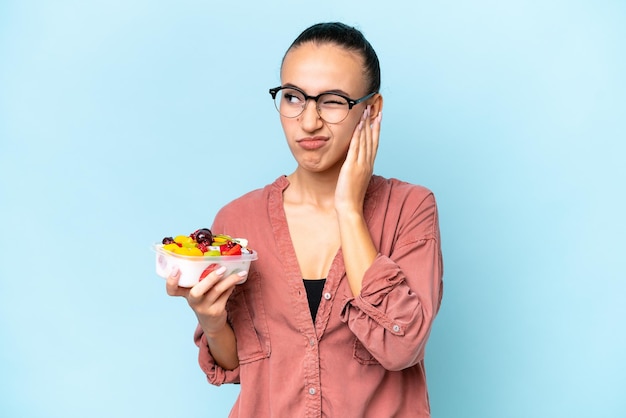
{"x":223,"y":347}
{"x":357,"y":248}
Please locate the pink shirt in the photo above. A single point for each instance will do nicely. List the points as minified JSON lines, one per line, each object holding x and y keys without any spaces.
{"x":364,"y":355}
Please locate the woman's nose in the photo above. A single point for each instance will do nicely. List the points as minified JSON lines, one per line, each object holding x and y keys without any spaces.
{"x":310,"y":118}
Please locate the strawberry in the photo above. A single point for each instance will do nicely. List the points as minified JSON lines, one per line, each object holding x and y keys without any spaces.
{"x":208,"y":270}
{"x":225,"y":247}
{"x":234,"y":250}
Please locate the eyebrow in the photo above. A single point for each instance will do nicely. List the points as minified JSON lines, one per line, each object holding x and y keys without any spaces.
{"x":337,"y":91}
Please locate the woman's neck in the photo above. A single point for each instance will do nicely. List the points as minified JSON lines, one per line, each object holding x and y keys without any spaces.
{"x":309,"y":188}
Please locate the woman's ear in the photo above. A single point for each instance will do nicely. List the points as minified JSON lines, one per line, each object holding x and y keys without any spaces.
{"x":377,"y":106}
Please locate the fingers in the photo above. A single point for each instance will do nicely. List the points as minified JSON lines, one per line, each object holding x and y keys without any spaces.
{"x":355,"y":142}
{"x":211,"y":288}
{"x":171,"y":284}
{"x":214,"y":287}
{"x":376,"y":133}
{"x":222,"y":297}
{"x":367,"y":136}
{"x":367,"y":144}
{"x":204,"y":285}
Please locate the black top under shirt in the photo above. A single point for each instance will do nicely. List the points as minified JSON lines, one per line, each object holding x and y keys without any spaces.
{"x":314,"y":290}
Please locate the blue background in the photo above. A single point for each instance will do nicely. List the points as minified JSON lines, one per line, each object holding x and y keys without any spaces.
{"x":123,"y":121}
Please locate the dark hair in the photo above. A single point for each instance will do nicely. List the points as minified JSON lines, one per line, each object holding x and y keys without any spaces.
{"x":348,"y":37}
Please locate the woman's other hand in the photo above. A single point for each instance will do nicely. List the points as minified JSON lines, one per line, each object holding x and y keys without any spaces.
{"x":358,"y":167}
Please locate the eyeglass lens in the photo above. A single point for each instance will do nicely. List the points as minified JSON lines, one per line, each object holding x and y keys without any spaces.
{"x":331,"y":107}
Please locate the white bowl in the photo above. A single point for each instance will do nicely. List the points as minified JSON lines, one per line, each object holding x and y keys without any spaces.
{"x":192,"y":267}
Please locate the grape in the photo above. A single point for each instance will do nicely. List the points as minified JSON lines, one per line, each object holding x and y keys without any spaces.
{"x":203,"y":236}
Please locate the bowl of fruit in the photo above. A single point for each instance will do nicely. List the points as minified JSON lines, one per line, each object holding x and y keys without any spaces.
{"x":196,"y":255}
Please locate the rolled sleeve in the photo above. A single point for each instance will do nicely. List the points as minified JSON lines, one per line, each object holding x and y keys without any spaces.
{"x":215,"y":374}
{"x":400,"y":296}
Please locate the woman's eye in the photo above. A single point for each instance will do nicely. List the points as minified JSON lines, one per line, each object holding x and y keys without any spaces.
{"x":333,"y":101}
{"x":293,"y":98}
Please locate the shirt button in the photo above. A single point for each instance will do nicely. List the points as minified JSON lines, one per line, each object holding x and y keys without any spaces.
{"x":312,"y":341}
{"x":312,"y":391}
{"x":327,"y":296}
{"x":396,"y":328}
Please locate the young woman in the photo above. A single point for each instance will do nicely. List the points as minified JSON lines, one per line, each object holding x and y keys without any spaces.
{"x":335,"y":314}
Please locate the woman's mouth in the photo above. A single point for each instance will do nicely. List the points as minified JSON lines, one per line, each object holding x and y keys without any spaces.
{"x":312,"y":143}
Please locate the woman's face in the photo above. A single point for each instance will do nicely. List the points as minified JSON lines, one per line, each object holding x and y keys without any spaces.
{"x":318,"y":68}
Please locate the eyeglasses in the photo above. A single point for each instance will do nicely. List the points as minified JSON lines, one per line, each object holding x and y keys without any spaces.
{"x":331,"y":107}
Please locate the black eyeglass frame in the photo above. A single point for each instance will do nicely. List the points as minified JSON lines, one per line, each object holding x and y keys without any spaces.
{"x":351,"y":102}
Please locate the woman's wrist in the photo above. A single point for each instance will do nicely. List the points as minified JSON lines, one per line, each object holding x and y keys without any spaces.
{"x":212,"y":331}
{"x":349,"y":214}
